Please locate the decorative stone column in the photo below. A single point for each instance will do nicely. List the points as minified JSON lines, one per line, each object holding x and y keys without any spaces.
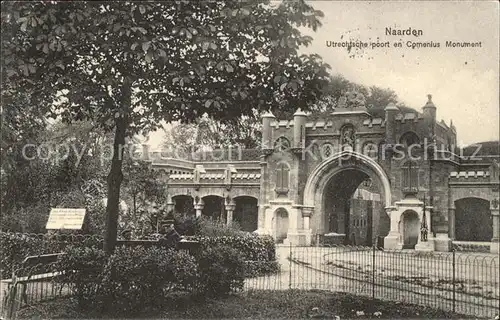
{"x":307,"y":213}
{"x":495,"y":215}
{"x":230,"y":209}
{"x":198,"y":206}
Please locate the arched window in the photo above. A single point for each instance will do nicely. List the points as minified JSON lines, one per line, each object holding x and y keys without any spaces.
{"x":409,"y":138}
{"x":282,"y":144}
{"x":282,"y":178}
{"x":410,"y":177}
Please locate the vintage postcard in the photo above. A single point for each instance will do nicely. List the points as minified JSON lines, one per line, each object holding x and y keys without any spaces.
{"x":250,"y":159}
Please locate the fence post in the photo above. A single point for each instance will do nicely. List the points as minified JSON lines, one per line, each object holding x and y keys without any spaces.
{"x":453,"y":277}
{"x":290,"y":267}
{"x":373,"y":272}
{"x":12,"y":303}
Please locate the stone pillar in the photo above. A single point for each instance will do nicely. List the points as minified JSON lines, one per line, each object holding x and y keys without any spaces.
{"x":393,"y":239}
{"x":267,"y":134}
{"x":495,"y":241}
{"x":170,"y":204}
{"x":451,"y":223}
{"x":307,"y":212}
{"x":299,"y":233}
{"x":198,"y":207}
{"x":261,"y":219}
{"x":230,"y":209}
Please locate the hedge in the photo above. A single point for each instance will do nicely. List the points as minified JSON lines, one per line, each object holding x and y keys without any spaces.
{"x":136,"y":278}
{"x":259,"y":252}
{"x":17,"y":246}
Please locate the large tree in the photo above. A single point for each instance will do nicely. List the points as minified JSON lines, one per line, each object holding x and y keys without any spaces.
{"x":126,"y":65}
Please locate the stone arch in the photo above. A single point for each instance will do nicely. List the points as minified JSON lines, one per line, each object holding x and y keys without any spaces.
{"x":346,"y":164}
{"x":246,"y":212}
{"x":183,"y":204}
{"x":480,"y":192}
{"x":324,"y":171}
{"x":214,"y":207}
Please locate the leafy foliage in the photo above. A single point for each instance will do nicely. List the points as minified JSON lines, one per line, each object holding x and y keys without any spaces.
{"x":142,"y":189}
{"x":252,"y":247}
{"x":81,"y":268}
{"x":127,"y":65}
{"x":245,"y":131}
{"x":206,"y":227}
{"x":135,"y":278}
{"x":222,"y":270}
{"x":57,"y":175}
{"x":17,"y":246}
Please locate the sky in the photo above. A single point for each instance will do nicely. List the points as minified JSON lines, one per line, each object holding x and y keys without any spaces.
{"x":464,"y":82}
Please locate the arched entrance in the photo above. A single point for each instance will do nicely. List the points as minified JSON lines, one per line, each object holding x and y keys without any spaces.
{"x":352,"y":207}
{"x":473,"y":220}
{"x":246,"y":213}
{"x":183,"y":205}
{"x":329,"y":190}
{"x":409,"y":228}
{"x":214,"y":208}
{"x":281,"y":222}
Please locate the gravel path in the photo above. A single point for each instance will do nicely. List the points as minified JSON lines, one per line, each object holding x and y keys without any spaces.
{"x":335,"y":269}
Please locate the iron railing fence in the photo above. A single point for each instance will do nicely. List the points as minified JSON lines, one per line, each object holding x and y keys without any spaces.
{"x":463,"y":282}
{"x":30,"y":285}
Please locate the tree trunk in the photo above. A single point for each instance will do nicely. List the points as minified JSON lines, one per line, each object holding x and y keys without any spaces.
{"x":115,"y":176}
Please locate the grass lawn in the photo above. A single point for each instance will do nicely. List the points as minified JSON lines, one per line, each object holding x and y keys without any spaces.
{"x":256,"y":305}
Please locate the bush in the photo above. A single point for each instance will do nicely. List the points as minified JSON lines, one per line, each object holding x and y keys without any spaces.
{"x":16,"y":247}
{"x":206,"y":227}
{"x":82,"y":270}
{"x":139,"y":277}
{"x":130,"y":280}
{"x":261,"y":268}
{"x":258,"y":252}
{"x":222,"y":270}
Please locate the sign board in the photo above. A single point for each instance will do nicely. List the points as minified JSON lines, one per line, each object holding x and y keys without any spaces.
{"x":65,"y":218}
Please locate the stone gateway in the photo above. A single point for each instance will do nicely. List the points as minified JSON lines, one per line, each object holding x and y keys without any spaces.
{"x":366,"y":176}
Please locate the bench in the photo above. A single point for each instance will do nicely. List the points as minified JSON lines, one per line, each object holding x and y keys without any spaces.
{"x":29,"y":262}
